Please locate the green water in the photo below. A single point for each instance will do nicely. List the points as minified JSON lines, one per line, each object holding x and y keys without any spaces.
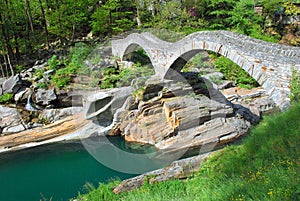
{"x":57,"y":172}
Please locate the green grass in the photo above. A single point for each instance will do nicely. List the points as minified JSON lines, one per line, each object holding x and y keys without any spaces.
{"x":234,"y":72}
{"x":264,"y":167}
{"x":295,"y":87}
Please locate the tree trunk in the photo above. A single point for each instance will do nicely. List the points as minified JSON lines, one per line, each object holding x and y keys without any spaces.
{"x":44,"y":22}
{"x":10,"y":65}
{"x":2,"y":71}
{"x":59,"y":18}
{"x":28,"y":13}
{"x":16,"y":37}
{"x":5,"y":62}
{"x":7,"y":43}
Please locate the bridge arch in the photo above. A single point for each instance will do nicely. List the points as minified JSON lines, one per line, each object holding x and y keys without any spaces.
{"x":178,"y":61}
{"x":268,"y":63}
{"x":132,"y":48}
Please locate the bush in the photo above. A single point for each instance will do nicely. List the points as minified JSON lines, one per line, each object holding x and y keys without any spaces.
{"x":53,"y":63}
{"x":114,"y":78}
{"x":6,"y":98}
{"x":74,"y":63}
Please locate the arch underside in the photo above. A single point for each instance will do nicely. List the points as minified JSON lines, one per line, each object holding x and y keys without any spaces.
{"x":180,"y":62}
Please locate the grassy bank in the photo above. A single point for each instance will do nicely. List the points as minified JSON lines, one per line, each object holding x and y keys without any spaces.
{"x":264,"y":167}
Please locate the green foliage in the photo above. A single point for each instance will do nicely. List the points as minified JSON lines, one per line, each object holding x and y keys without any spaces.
{"x":295,"y":87}
{"x":264,"y":167}
{"x":243,"y":17}
{"x":43,"y":121}
{"x":108,"y":19}
{"x":290,"y":8}
{"x":73,"y":65}
{"x":271,"y":6}
{"x":53,"y":63}
{"x":172,"y":16}
{"x":43,"y":85}
{"x":114,"y":78}
{"x":19,"y":68}
{"x":257,"y":32}
{"x":234,"y":72}
{"x":39,"y":73}
{"x":6,"y":98}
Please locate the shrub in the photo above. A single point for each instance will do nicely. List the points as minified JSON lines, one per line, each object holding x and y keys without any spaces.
{"x":6,"y":98}
{"x":54,"y":63}
{"x":114,"y":78}
{"x":74,"y":63}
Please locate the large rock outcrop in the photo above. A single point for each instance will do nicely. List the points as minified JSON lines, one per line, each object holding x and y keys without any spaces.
{"x":174,"y":116}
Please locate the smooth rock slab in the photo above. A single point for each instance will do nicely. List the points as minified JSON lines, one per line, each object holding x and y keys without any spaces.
{"x":10,"y":119}
{"x":53,"y":115}
{"x":13,"y":129}
{"x":102,"y":105}
{"x":22,"y":94}
{"x":12,"y":85}
{"x":177,"y":170}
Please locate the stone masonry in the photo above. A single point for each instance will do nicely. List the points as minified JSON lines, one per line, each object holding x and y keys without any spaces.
{"x":269,"y":63}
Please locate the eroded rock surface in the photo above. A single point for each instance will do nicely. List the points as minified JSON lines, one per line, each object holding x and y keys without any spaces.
{"x":10,"y":120}
{"x":102,"y":105}
{"x":177,"y":170}
{"x":173,"y":116}
{"x":45,"y":97}
{"x":53,"y":115}
{"x":255,"y":99}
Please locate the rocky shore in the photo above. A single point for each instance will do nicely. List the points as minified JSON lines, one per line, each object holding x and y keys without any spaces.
{"x":180,"y":116}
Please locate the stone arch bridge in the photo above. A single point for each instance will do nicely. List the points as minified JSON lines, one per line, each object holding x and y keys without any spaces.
{"x":268,"y":63}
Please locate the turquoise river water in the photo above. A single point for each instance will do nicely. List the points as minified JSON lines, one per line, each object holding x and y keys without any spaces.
{"x":56,"y":171}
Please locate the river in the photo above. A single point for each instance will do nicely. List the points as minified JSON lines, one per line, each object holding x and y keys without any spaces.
{"x":56,"y":171}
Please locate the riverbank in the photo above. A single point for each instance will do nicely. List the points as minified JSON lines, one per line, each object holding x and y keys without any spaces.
{"x":264,"y":167}
{"x":71,"y":128}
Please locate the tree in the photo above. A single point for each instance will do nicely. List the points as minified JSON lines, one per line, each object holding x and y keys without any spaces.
{"x":172,"y":16}
{"x":114,"y":16}
{"x":44,"y":21}
{"x":243,"y":18}
{"x":217,"y":11}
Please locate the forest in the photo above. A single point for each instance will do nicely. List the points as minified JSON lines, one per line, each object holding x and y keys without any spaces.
{"x":32,"y":28}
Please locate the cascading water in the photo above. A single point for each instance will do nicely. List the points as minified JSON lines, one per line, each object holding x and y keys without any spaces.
{"x":29,"y":106}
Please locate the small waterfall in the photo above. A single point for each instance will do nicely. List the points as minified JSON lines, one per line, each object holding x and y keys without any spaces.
{"x":29,"y":106}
